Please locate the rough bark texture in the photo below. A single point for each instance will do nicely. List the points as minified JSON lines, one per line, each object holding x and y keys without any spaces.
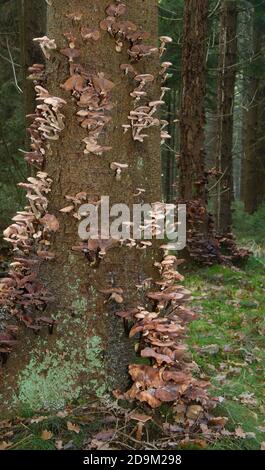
{"x":171,"y":149}
{"x":250,"y":169}
{"x":89,"y":351}
{"x":260,"y":147}
{"x":225,"y":111}
{"x":192,"y":115}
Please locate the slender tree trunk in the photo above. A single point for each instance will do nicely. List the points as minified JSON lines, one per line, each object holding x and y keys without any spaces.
{"x":250,"y":167}
{"x":192,"y":114}
{"x":260,"y":145}
{"x":89,"y":351}
{"x":193,"y":177}
{"x":225,"y":111}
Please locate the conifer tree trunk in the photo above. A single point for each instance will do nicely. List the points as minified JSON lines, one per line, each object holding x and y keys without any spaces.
{"x":225,"y":112}
{"x":250,"y":161}
{"x":89,"y":350}
{"x":192,"y":114}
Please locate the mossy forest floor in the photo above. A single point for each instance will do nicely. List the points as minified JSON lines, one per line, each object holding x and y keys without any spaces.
{"x":228,"y":344}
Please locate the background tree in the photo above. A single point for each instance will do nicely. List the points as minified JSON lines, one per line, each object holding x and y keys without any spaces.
{"x":225,"y":115}
{"x":253,"y":162}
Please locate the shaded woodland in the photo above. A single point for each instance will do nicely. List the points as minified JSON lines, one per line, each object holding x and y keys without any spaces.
{"x":128,"y":344}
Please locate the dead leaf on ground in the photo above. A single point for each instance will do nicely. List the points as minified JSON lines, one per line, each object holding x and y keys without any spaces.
{"x":46,"y":435}
{"x":262,"y":447}
{"x":73,"y":427}
{"x":105,"y":436}
{"x":5,"y":445}
{"x":38,"y":420}
{"x":5,"y":424}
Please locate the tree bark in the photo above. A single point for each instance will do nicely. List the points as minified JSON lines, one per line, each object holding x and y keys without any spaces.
{"x":192,"y":114}
{"x":89,"y":352}
{"x":250,"y":166}
{"x":225,"y":112}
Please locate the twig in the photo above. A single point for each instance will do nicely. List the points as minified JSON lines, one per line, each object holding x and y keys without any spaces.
{"x":13,"y":66}
{"x":5,"y":58}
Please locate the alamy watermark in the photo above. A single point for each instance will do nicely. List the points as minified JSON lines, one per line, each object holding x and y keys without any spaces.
{"x":142,"y":222}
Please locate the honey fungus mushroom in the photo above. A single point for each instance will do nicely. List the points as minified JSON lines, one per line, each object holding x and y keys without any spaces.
{"x":118,"y":167}
{"x":141,"y":421}
{"x":164,"y":41}
{"x":46,"y":45}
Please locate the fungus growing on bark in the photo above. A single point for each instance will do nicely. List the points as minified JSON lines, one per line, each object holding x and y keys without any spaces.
{"x":46,"y":45}
{"x":91,"y":93}
{"x":114,"y":294}
{"x":118,"y":168}
{"x":77,"y":16}
{"x":116,"y":10}
{"x":90,"y":33}
{"x":138,"y":51}
{"x":22,"y":292}
{"x":164,"y":40}
{"x":128,"y":69}
{"x":140,"y":191}
{"x":71,"y":53}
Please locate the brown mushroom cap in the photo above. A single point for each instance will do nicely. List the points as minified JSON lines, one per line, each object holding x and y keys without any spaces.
{"x":70,"y":53}
{"x":147,"y":77}
{"x":165,"y":39}
{"x":116,"y":166}
{"x":140,"y":418}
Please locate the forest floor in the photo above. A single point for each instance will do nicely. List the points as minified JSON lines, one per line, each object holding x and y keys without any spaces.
{"x":228,"y":344}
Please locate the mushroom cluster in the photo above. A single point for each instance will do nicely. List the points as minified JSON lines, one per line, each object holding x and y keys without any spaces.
{"x":92,"y":96}
{"x":123,"y":31}
{"x":213,"y":248}
{"x":48,"y":121}
{"x":22,"y":293}
{"x":46,"y":45}
{"x":160,"y":327}
{"x":29,"y":234}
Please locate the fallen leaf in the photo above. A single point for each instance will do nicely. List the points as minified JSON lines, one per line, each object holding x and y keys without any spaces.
{"x":62,"y":414}
{"x":239,"y":432}
{"x":262,"y":447}
{"x":4,"y":445}
{"x":105,"y":436}
{"x":5,"y":424}
{"x":73,"y":427}
{"x":46,"y":435}
{"x":38,"y":420}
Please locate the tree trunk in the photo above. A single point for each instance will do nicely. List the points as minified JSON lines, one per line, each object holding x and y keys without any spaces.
{"x":260,"y":146}
{"x":250,"y":167}
{"x":89,"y":351}
{"x":192,"y":114}
{"x":225,"y":111}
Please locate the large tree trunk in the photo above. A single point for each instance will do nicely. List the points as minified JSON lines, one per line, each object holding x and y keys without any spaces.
{"x":225,"y":111}
{"x":89,"y":351}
